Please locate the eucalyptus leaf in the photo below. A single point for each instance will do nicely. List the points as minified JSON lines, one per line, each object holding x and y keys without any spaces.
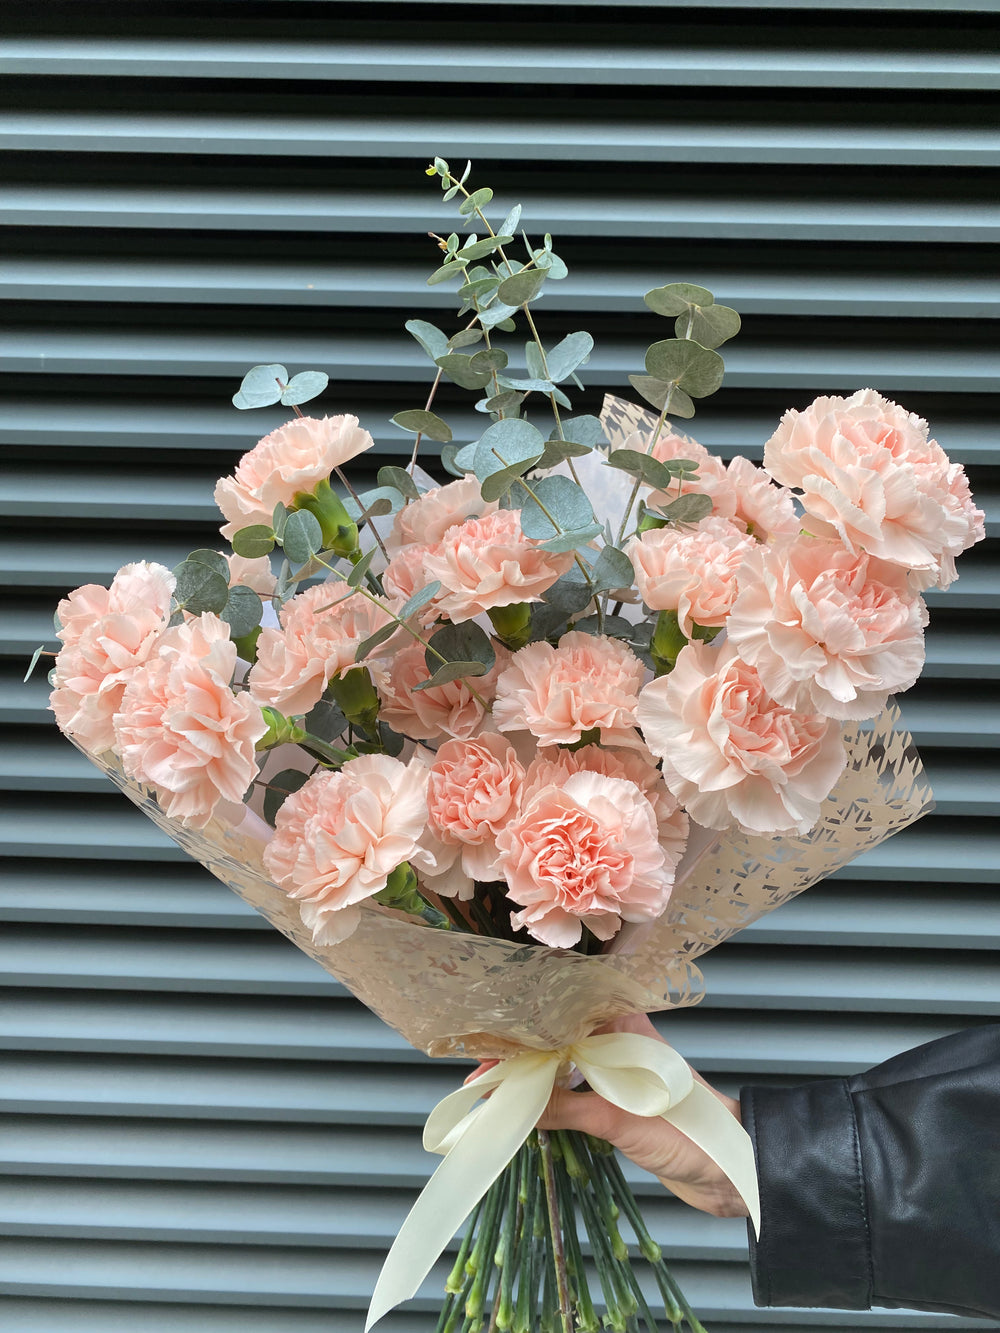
{"x":584,"y":430}
{"x":695,"y":369}
{"x":571,"y":541}
{"x":34,"y":661}
{"x":522,"y":287}
{"x":450,"y":194}
{"x":506,"y":401}
{"x":200,"y":588}
{"x":255,"y":541}
{"x":558,"y":450}
{"x":304,"y":386}
{"x":451,"y":269}
{"x":535,"y":361}
{"x":478,"y":249}
{"x":477,"y":200}
{"x":551,"y":265}
{"x":676,"y":298}
{"x":449,"y":452}
{"x":356,"y":577}
{"x":647,"y":469}
{"x":612,"y":627}
{"x":380,"y":500}
{"x":392,"y":741}
{"x":464,"y":337}
{"x":655,"y":392}
{"x":419,"y":600}
{"x":325,"y":720}
{"x":458,"y":367}
{"x":421,"y":422}
{"x":279,"y":517}
{"x":242,"y":612}
{"x":214,"y":561}
{"x":612,"y":569}
{"x":491,"y":358}
{"x":569,"y":594}
{"x":375,"y":640}
{"x":567,"y":355}
{"x":710,"y":327}
{"x":505,"y":444}
{"x":462,"y":643}
{"x":526,"y":385}
{"x":496,"y":314}
{"x":564,"y":501}
{"x":261,"y":387}
{"x":451,"y":671}
{"x":399,"y":479}
{"x":279,"y":788}
{"x":303,"y":537}
{"x":430,"y":338}
{"x":493,"y":487}
{"x":509,"y":225}
{"x":691,"y":508}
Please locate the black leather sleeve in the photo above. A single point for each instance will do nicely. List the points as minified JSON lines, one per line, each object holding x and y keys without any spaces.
{"x":883,"y":1188}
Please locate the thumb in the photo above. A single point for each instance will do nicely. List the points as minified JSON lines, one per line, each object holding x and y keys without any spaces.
{"x":585,"y":1112}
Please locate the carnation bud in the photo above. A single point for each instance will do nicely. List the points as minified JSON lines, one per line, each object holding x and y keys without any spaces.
{"x":512,"y":624}
{"x":357,"y":698}
{"x":340,"y":532}
{"x":280,"y":729}
{"x":667,"y":641}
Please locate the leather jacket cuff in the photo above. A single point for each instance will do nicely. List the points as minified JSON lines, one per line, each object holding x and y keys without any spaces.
{"x":814,"y":1247}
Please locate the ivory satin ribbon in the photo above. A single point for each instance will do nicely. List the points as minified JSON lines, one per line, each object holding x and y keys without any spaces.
{"x":636,"y":1073}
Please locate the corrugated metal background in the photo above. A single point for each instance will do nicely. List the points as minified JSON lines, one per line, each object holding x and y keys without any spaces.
{"x":200,"y":1131}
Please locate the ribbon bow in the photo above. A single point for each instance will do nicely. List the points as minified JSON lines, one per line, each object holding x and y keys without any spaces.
{"x":636,"y":1073}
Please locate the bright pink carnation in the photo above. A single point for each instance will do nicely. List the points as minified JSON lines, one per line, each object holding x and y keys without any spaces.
{"x":340,"y":836}
{"x":557,"y":694}
{"x":730,"y":753}
{"x":107,"y":634}
{"x":443,"y":711}
{"x":473,"y":793}
{"x":182,"y":730}
{"x":488,"y":562}
{"x":584,"y":852}
{"x":321,"y":629}
{"x":291,"y":461}
{"x":869,"y":475}
{"x":690,"y":570}
{"x":427,"y":520}
{"x":827,"y":631}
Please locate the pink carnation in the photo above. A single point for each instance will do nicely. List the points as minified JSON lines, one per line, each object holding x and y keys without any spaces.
{"x":252,"y":572}
{"x":730,"y":753}
{"x":427,"y":520}
{"x":690,"y":570}
{"x":318,"y":639}
{"x":340,"y":836}
{"x":107,"y":634}
{"x":584,"y":852}
{"x":559,"y":693}
{"x":553,"y":767}
{"x":827,"y":631}
{"x":443,"y":711}
{"x":473,"y":793}
{"x":488,"y":562}
{"x":183,"y":731}
{"x":291,"y":461}
{"x":747,"y":495}
{"x":869,"y":475}
{"x":406,"y":574}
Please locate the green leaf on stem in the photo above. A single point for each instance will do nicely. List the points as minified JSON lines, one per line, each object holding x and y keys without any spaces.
{"x":200,"y":588}
{"x":34,"y":661}
{"x":612,"y":569}
{"x":561,"y":506}
{"x":449,"y":452}
{"x":380,"y":500}
{"x":509,"y":400}
{"x":458,"y":367}
{"x":655,"y":391}
{"x":695,"y":369}
{"x":213,"y":560}
{"x":710,"y":327}
{"x":419,"y":600}
{"x":451,"y":671}
{"x":356,"y":577}
{"x":572,"y":541}
{"x":430,"y":338}
{"x":451,"y":269}
{"x":303,"y":537}
{"x":304,"y":386}
{"x":375,"y":640}
{"x":650,"y":471}
{"x":490,"y":359}
{"x":506,"y":445}
{"x":255,"y":541}
{"x":278,"y":790}
{"x":584,"y":430}
{"x":558,"y":450}
{"x":279,"y":517}
{"x":420,"y":421}
{"x":496,"y":314}
{"x":566,"y":356}
{"x":464,"y":337}
{"x":260,"y":386}
{"x":550,"y":264}
{"x":477,"y":200}
{"x":325,"y":720}
{"x":691,"y":508}
{"x":478,"y":249}
{"x":509,"y":225}
{"x":242,"y":612}
{"x":522,"y":287}
{"x":677,"y":298}
{"x":461,"y":644}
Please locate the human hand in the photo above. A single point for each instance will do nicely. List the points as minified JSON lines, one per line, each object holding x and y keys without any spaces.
{"x":651,"y":1142}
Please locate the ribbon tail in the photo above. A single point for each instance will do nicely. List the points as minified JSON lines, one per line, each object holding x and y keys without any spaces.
{"x":706,"y":1122}
{"x":490,"y":1139}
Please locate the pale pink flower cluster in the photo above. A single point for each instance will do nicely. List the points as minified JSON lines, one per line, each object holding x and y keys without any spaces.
{"x":291,"y":461}
{"x":320,"y":632}
{"x":182,"y":730}
{"x":425,"y":521}
{"x":457,"y":708}
{"x":870,"y":475}
{"x":691,"y":570}
{"x":107,"y":634}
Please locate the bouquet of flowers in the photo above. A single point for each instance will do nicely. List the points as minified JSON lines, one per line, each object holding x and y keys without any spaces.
{"x":507,"y":754}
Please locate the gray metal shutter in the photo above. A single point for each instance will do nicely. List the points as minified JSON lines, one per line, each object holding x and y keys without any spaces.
{"x":198,"y":1129}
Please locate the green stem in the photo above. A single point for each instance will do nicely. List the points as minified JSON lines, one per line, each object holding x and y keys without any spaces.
{"x":456,"y":1278}
{"x":587,"y":1320}
{"x":558,"y":1254}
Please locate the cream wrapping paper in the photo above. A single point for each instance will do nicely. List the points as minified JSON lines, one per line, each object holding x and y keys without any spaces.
{"x":449,"y":993}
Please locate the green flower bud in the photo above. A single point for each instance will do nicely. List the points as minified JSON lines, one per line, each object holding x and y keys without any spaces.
{"x":340,"y":532}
